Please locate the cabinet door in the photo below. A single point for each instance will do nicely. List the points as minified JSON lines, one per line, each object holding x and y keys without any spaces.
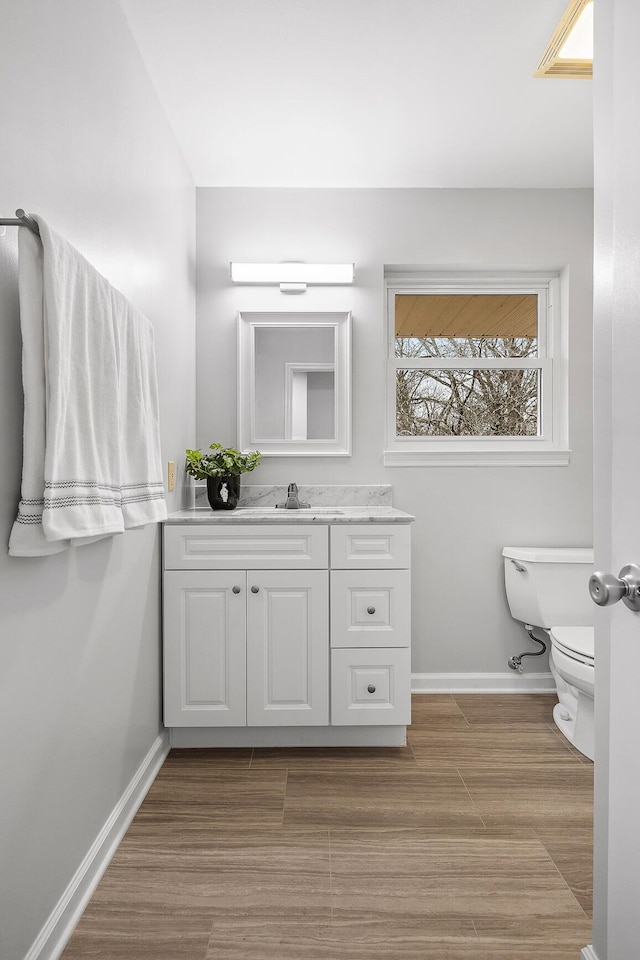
{"x":204,"y":648}
{"x":287,"y":648}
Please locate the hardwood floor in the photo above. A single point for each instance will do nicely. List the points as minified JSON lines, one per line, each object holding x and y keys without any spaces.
{"x":471,"y":843}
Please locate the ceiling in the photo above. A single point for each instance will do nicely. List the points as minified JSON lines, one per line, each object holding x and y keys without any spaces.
{"x":365,"y":93}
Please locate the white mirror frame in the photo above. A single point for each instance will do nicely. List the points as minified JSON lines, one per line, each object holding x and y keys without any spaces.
{"x":340,"y":446}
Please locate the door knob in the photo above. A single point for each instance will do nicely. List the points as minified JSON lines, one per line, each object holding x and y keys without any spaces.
{"x":255,"y":589}
{"x":606,"y":589}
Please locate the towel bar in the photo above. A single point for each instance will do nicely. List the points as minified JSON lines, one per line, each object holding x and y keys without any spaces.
{"x":23,"y":220}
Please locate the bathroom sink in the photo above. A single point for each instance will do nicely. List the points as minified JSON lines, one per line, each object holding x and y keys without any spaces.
{"x":278,"y":512}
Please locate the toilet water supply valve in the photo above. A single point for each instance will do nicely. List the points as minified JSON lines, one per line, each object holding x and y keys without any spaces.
{"x":516,"y":662}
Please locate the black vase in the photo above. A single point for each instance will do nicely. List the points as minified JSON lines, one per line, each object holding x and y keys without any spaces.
{"x":223,"y":492}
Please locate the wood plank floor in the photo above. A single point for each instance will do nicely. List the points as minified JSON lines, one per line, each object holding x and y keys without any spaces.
{"x":471,"y":843}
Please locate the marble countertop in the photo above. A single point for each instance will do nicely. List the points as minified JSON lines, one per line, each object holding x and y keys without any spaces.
{"x":324,"y":514}
{"x":331,"y":503}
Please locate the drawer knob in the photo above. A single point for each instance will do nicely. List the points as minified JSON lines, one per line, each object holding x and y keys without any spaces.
{"x":371,"y":609}
{"x":235,"y":589}
{"x":371,"y":688}
{"x":254,"y":589}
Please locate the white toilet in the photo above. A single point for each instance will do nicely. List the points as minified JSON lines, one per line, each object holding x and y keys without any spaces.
{"x":547,"y":590}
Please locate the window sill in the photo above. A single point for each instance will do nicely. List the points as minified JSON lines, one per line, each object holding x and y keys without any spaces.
{"x":476,"y":458}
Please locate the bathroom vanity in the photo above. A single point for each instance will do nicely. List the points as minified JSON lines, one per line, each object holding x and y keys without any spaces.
{"x":287,"y":627}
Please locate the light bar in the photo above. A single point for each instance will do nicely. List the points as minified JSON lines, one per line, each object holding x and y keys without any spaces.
{"x":292,"y":273}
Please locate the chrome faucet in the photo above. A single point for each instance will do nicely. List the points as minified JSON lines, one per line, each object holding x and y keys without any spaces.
{"x":293,"y":501}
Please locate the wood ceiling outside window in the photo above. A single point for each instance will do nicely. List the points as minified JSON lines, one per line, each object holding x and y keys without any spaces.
{"x":472,"y":315}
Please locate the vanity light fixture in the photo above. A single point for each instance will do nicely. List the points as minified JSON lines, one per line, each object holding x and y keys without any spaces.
{"x":569,"y":53}
{"x":291,"y":276}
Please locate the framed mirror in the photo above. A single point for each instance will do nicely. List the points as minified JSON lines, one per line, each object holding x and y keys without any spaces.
{"x":294,"y":383}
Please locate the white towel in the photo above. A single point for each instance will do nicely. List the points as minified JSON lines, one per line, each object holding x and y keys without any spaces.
{"x":99,"y":469}
{"x":27,"y":536}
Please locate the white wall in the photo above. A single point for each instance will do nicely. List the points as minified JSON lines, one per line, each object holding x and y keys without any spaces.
{"x":465,"y":516}
{"x":85,"y":144}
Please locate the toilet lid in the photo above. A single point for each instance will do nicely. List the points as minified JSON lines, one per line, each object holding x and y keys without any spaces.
{"x":578,"y":640}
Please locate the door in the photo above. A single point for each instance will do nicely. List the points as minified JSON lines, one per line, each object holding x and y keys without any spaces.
{"x":616,"y":930}
{"x":204,"y":648}
{"x":287,"y":647}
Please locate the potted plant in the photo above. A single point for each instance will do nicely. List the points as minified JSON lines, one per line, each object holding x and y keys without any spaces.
{"x":221,"y":467}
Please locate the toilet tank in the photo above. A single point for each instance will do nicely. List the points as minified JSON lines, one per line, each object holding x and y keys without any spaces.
{"x":548,"y":586}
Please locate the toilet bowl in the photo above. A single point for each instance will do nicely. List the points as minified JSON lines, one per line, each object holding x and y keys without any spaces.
{"x":572,"y":665}
{"x":547,"y":591}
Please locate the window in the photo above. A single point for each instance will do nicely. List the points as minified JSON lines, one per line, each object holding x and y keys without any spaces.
{"x":476,"y":370}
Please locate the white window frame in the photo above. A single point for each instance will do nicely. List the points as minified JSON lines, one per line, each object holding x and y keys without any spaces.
{"x":551,"y":447}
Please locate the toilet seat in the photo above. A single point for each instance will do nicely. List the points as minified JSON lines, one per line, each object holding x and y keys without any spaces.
{"x":572,"y":657}
{"x":577,"y":643}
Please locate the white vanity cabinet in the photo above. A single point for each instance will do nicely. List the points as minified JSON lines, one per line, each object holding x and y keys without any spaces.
{"x":286,"y":625}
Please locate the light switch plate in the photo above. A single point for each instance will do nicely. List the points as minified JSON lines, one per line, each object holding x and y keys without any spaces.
{"x":171,"y":475}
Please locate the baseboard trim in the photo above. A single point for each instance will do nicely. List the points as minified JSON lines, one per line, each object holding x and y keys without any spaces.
{"x":510,"y":682}
{"x":60,"y":924}
{"x":588,"y":953}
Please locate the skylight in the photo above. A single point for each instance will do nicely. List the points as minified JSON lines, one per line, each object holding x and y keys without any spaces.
{"x":569,"y":53}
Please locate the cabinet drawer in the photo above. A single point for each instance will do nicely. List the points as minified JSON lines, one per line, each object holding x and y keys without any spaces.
{"x":371,"y":686}
{"x":245,"y":546}
{"x":370,"y":608}
{"x":368,"y":545}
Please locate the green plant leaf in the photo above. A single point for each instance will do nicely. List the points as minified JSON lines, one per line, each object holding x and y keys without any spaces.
{"x":220,"y":462}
